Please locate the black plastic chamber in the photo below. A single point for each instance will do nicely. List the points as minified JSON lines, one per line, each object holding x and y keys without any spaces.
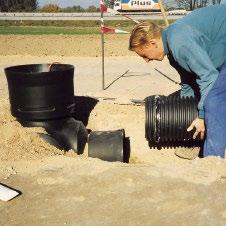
{"x":40,"y":92}
{"x":167,"y":118}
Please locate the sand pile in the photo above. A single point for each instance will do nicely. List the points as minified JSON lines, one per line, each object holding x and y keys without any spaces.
{"x":18,"y":143}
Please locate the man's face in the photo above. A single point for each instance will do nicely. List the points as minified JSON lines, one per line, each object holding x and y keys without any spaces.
{"x":152,"y":51}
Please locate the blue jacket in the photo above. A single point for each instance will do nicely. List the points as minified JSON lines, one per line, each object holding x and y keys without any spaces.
{"x":197,"y":43}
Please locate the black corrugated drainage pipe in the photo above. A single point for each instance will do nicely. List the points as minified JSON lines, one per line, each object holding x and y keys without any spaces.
{"x":167,"y":118}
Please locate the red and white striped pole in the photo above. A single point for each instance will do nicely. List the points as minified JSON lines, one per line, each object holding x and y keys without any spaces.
{"x":103,"y":9}
{"x":102,"y":47}
{"x":104,"y":29}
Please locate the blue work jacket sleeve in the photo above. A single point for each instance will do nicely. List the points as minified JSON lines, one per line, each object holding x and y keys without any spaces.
{"x":188,"y":52}
{"x":186,"y":91}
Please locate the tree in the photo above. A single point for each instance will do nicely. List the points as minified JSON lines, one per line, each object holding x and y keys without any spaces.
{"x":191,"y":4}
{"x":92,"y":9}
{"x":109,"y":3}
{"x":18,"y":5}
{"x":72,"y":9}
{"x":50,"y":8}
{"x":77,"y":8}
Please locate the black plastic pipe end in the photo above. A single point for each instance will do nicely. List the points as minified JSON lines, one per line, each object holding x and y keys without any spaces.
{"x":167,"y":118}
{"x":109,"y":146}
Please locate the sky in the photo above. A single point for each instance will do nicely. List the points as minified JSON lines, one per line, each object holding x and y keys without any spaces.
{"x":65,"y":3}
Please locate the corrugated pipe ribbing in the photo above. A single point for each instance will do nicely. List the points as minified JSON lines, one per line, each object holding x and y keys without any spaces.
{"x":167,"y":118}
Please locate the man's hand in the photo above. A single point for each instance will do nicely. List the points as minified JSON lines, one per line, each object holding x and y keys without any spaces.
{"x":199,"y":126}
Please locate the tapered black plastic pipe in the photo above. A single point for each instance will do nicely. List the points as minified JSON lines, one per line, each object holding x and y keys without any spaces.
{"x":167,"y":118}
{"x":109,"y":146}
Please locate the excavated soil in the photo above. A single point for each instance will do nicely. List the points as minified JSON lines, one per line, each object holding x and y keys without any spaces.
{"x":58,"y":188}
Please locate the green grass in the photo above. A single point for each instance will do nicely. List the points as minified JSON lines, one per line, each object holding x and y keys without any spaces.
{"x":72,"y":23}
{"x":61,"y":27}
{"x":12,"y":30}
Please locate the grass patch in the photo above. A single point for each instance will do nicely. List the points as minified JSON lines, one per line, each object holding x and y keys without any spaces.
{"x":62,"y":27}
{"x":25,"y":30}
{"x":73,"y":23}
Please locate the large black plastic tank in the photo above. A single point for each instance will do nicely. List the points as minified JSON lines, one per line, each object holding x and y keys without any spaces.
{"x":40,"y":92}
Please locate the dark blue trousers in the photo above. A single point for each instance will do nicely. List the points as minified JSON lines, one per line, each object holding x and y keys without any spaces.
{"x":215,"y":117}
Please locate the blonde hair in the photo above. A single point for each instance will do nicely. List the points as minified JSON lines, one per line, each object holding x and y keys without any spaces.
{"x":142,"y":33}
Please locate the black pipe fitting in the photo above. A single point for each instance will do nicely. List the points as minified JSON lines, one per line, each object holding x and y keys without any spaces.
{"x":65,"y":134}
{"x":40,"y":92}
{"x":42,"y":95}
{"x":109,"y":146}
{"x":168,"y":117}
